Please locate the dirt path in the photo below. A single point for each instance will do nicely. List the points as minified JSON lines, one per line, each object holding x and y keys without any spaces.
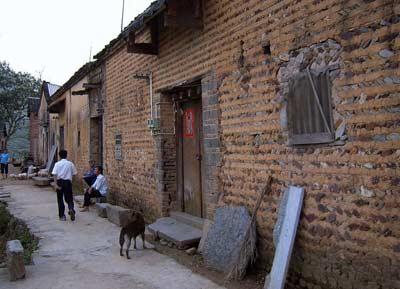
{"x":85,"y":253}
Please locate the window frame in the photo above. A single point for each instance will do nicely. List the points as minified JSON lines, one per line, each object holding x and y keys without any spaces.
{"x":310,"y":138}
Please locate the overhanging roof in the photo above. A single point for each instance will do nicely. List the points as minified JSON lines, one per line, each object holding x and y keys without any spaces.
{"x":136,"y":25}
{"x":78,"y":75}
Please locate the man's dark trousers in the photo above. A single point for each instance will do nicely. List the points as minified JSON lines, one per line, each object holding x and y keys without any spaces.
{"x":94,"y":194}
{"x":66,"y":193}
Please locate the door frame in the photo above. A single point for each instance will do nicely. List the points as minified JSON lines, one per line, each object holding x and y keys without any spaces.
{"x":179,"y":153}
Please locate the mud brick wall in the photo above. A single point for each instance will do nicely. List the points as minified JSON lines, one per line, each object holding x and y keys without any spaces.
{"x":349,"y":230}
{"x":127,"y":109}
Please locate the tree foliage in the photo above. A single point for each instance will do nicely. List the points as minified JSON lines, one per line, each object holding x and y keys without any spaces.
{"x":15,"y":90}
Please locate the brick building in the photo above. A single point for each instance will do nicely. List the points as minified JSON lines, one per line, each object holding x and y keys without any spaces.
{"x":45,"y":138}
{"x":74,"y":117}
{"x":205,"y":99}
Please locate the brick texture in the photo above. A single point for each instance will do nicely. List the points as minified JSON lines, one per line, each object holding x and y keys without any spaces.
{"x":349,"y":231}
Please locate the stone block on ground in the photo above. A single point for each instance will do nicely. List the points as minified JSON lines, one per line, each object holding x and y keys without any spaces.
{"x":149,"y":236}
{"x":225,"y":237}
{"x":191,"y":251}
{"x":41,"y":181}
{"x":285,"y":235}
{"x":101,"y":209}
{"x":180,"y":234}
{"x":188,"y":219}
{"x":118,"y":215}
{"x":206,"y":228}
{"x":43,"y":173}
{"x":79,"y":199}
{"x":15,"y":260}
{"x":101,"y":200}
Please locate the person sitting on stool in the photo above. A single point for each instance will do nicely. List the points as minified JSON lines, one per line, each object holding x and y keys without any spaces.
{"x":98,"y":189}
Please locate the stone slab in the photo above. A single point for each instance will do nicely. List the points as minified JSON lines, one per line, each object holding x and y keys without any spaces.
{"x":101,"y":200}
{"x":287,"y":235}
{"x":188,"y":219}
{"x":41,"y":181}
{"x":118,"y":215}
{"x":15,"y":260}
{"x":176,"y":232}
{"x":51,"y":158}
{"x":79,"y":199}
{"x":149,"y":236}
{"x":101,"y":209}
{"x":225,"y":237}
{"x":206,"y":228}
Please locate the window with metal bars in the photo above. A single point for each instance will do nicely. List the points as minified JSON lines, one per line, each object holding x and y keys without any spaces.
{"x":309,"y":109}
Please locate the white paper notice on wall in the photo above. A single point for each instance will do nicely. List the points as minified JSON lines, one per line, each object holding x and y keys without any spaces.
{"x":276,"y":278}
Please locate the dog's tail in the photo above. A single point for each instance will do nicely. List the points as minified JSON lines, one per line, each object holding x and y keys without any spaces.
{"x":122,"y":237}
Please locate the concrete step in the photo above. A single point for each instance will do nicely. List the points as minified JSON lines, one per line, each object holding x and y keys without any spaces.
{"x":118,"y":215}
{"x":41,"y":181}
{"x":179,"y":233}
{"x":188,"y":219}
{"x":79,"y":199}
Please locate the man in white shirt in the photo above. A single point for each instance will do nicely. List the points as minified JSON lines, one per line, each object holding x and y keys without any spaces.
{"x":63,"y":172}
{"x":98,"y":189}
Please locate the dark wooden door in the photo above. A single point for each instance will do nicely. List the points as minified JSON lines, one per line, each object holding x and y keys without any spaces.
{"x":61,"y":137}
{"x":191,"y":151}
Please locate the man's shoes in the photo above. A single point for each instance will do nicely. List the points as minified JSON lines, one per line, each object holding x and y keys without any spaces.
{"x":85,"y":209}
{"x":72,"y":214}
{"x":63,"y":218}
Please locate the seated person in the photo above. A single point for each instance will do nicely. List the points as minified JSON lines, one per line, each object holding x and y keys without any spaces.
{"x":98,"y":189}
{"x":90,"y":177}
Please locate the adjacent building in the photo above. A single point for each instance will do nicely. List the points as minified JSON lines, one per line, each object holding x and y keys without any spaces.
{"x":75,"y":122}
{"x":45,"y":139}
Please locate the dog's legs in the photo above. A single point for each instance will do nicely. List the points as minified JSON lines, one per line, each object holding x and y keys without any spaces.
{"x":134,"y":244}
{"x":121,"y":243}
{"x":128,"y":245}
{"x":144,"y":245}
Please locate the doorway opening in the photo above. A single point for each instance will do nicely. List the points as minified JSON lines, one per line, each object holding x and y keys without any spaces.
{"x":96,"y":140}
{"x":189,"y":148}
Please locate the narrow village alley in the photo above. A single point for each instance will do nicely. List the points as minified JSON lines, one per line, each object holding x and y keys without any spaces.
{"x":85,"y":253}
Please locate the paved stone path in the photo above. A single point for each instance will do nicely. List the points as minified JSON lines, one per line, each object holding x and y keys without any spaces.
{"x":85,"y":253}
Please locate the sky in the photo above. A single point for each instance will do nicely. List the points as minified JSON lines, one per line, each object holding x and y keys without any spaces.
{"x":52,"y":39}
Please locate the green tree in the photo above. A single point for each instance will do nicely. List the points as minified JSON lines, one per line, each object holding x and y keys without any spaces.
{"x":15,"y":90}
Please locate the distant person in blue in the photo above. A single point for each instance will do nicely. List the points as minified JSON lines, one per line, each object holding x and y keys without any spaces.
{"x":4,"y":160}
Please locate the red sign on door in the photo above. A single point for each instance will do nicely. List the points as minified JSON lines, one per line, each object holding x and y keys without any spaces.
{"x":188,"y":123}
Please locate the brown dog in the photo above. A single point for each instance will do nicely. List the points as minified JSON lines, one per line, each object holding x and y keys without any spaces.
{"x":134,"y":228}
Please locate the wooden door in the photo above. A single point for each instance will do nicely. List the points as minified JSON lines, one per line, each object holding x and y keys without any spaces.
{"x":61,"y":137}
{"x":189,"y":175}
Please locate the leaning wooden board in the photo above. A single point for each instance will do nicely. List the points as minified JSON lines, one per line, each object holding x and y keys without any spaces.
{"x":283,"y":252}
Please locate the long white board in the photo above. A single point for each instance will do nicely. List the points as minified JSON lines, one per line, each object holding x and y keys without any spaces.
{"x":283,"y":252}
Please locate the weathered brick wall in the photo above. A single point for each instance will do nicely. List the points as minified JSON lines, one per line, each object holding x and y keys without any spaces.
{"x":127,"y":109}
{"x":349,"y":231}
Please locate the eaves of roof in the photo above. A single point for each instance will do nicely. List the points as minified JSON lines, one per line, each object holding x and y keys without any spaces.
{"x":136,"y":25}
{"x":78,"y":75}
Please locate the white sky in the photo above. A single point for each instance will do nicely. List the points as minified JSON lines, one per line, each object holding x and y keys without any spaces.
{"x":53,"y":37}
